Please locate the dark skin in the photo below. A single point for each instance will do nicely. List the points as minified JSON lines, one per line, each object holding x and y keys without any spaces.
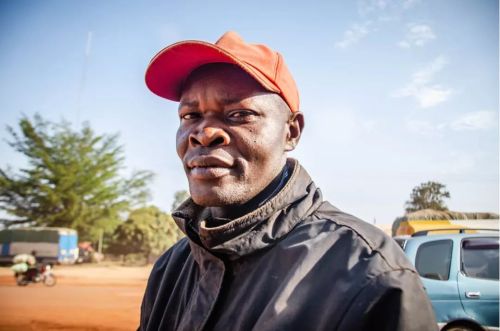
{"x":233,"y":136}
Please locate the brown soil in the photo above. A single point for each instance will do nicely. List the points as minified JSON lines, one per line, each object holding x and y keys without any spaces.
{"x":84,"y":298}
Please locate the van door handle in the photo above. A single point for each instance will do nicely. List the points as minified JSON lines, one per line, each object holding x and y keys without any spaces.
{"x":473,"y":295}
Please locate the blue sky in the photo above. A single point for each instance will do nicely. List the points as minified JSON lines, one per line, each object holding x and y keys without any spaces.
{"x":394,"y":93}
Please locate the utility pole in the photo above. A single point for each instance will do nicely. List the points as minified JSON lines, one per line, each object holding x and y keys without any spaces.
{"x":101,"y":239}
{"x":81,"y":87}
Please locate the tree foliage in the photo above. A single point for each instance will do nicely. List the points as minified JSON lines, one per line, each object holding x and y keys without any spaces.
{"x":72,"y":179}
{"x":429,"y":195}
{"x":147,"y":231}
{"x":179,"y":197}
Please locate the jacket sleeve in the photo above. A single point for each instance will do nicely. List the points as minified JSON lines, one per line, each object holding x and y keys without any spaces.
{"x":151,"y":288}
{"x":394,"y":300}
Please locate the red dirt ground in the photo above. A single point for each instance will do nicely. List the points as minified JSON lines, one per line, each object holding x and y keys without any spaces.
{"x":85,"y":298}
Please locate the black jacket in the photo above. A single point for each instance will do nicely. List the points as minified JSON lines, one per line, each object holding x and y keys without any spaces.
{"x":295,"y":263}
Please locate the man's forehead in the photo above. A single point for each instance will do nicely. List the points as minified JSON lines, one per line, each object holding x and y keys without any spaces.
{"x":230,"y":82}
{"x":192,"y":102}
{"x":216,"y":71}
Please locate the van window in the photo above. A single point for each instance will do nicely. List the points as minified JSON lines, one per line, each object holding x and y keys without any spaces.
{"x":434,"y":259}
{"x":480,"y":257}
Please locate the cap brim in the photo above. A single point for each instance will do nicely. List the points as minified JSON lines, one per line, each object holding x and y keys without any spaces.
{"x":169,"y":69}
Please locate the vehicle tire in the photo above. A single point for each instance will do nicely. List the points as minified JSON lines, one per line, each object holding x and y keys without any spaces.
{"x":49,"y":280}
{"x":21,"y":280}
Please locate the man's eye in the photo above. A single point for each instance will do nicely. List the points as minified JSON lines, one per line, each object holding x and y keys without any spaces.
{"x":189,"y":116}
{"x":242,"y":115}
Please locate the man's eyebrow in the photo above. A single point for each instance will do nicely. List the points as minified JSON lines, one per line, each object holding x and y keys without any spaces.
{"x":230,"y":101}
{"x":195,"y":103}
{"x":188,"y":103}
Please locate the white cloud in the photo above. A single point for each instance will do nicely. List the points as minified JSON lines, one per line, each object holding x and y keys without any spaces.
{"x":427,"y":73}
{"x":473,"y":121}
{"x":407,"y":4}
{"x":353,"y":35}
{"x":375,"y":13}
{"x":427,"y":96}
{"x":480,"y":120}
{"x":384,"y":7}
{"x":420,"y":88}
{"x":417,"y":35}
{"x":366,"y":7}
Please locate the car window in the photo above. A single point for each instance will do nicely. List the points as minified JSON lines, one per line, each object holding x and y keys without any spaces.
{"x":480,"y":257}
{"x":434,"y":258}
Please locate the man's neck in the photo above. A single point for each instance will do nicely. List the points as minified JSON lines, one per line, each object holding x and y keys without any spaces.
{"x":236,"y":211}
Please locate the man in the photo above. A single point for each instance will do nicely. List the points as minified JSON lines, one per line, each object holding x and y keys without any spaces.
{"x":263,"y":250}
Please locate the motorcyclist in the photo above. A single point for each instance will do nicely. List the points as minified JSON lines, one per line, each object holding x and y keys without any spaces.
{"x":34,"y":268}
{"x":27,"y":268}
{"x":27,"y":265}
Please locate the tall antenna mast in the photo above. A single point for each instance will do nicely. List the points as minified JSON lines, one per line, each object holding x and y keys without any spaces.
{"x":83,"y":78}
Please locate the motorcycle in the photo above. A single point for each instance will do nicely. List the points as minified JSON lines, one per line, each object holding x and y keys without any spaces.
{"x":33,"y":275}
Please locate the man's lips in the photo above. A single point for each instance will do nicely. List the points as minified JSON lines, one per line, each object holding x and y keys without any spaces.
{"x":206,"y":161}
{"x":208,"y":167}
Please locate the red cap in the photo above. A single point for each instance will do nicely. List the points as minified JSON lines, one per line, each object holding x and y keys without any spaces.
{"x":169,"y":69}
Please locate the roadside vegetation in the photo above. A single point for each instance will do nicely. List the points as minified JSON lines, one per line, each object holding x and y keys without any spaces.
{"x":76,"y":178}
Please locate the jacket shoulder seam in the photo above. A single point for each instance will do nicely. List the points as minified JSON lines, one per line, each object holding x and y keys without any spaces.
{"x":366,"y":241}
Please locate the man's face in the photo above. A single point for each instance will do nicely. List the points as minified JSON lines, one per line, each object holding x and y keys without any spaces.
{"x":232,"y":135}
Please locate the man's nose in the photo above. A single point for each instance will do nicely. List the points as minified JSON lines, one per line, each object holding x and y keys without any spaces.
{"x":209,"y":137}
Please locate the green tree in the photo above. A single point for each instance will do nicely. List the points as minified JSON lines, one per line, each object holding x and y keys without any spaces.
{"x":72,"y":179}
{"x":429,"y":195}
{"x":179,"y":197}
{"x":147,"y":231}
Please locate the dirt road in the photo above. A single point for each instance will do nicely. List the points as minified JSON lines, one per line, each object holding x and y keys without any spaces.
{"x":85,"y":298}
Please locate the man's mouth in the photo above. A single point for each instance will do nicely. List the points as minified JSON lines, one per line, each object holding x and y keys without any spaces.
{"x":208,"y":167}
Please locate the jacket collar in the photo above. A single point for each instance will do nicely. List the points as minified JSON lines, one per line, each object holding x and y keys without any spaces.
{"x":258,"y":229}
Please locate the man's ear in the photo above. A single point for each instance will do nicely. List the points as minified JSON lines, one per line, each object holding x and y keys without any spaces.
{"x":295,"y":125}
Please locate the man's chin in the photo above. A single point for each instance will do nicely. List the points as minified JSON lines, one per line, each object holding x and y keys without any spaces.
{"x":217,"y":197}
{"x":210,"y":200}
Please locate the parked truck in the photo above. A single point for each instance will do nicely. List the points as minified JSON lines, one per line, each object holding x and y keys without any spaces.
{"x":52,"y":245}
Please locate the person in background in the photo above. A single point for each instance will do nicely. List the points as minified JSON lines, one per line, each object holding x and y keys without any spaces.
{"x":25,"y":264}
{"x":33,"y":266}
